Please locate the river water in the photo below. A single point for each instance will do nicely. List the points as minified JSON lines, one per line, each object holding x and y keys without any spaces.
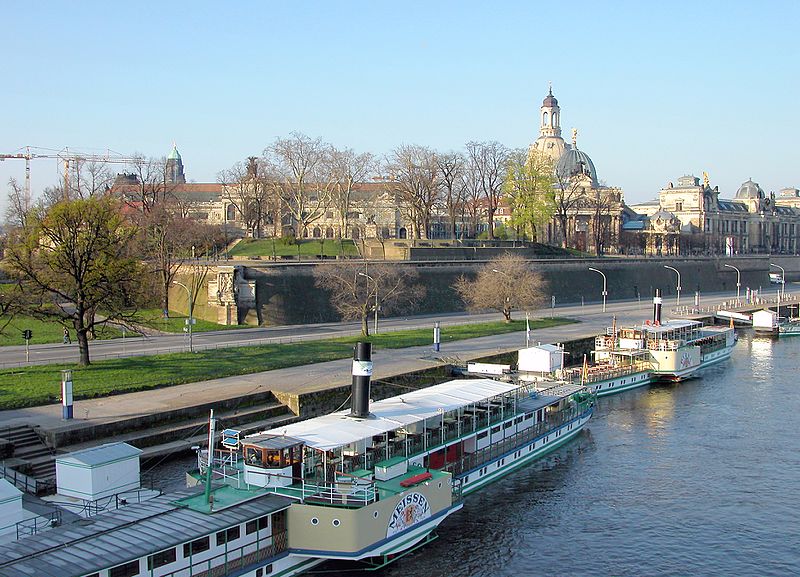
{"x":696,"y":478}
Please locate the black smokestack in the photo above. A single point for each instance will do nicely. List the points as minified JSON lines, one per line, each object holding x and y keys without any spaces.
{"x":362,"y":371}
{"x":657,"y":308}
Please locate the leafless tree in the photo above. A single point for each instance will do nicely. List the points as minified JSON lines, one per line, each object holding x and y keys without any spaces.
{"x":17,"y":209}
{"x":487,"y":163}
{"x":348,"y":169}
{"x":451,"y":181}
{"x":252,"y":192}
{"x":353,"y":288}
{"x":304,"y":179}
{"x":414,"y":175}
{"x":152,"y":185}
{"x":569,"y":193}
{"x":505,"y":283}
{"x":89,"y":178}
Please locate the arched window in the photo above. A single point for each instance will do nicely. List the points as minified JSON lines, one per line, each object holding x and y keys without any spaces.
{"x":317,"y":232}
{"x":402,"y":233}
{"x":355,"y":233}
{"x":230,"y":212}
{"x":555,"y":119}
{"x":329,"y":232}
{"x":544,"y":119}
{"x":305,"y":233}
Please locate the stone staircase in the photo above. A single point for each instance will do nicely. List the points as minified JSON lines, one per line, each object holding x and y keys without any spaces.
{"x":29,"y":455}
{"x":176,"y":432}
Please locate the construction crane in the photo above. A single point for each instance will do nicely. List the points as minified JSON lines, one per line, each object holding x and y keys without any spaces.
{"x":66,"y":157}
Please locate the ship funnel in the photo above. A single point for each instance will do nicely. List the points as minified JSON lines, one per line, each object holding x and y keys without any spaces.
{"x":362,"y":372}
{"x":657,"y":308}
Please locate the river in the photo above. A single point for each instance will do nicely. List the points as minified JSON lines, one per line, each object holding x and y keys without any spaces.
{"x":696,"y":478}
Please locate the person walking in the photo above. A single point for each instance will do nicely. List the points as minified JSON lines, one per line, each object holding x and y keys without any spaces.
{"x":67,"y":340}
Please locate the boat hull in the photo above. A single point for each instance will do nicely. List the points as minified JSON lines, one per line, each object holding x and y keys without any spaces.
{"x":619,"y":384}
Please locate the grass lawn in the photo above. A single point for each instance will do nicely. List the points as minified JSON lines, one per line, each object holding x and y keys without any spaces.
{"x":153,"y":319}
{"x":38,"y":385}
{"x":308,"y":248}
{"x":45,"y":332}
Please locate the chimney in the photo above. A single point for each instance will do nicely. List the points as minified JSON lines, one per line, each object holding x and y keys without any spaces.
{"x":362,"y":371}
{"x":657,"y":308}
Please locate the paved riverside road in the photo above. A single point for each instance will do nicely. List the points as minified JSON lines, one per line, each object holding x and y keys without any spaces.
{"x":14,"y":356}
{"x":324,"y":375}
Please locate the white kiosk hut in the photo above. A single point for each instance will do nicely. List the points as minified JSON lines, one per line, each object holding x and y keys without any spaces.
{"x":765,"y":321}
{"x":99,"y":472}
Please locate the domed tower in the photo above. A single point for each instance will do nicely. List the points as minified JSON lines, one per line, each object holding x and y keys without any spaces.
{"x":550,"y":141}
{"x":174,"y":167}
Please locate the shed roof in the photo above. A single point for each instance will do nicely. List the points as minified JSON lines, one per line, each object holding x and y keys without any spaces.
{"x":94,"y":456}
{"x":119,"y":536}
{"x":8,"y":491}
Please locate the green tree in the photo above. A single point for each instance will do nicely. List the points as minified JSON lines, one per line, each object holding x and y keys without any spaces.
{"x":529,"y":189}
{"x":504,"y":284}
{"x":72,"y":260}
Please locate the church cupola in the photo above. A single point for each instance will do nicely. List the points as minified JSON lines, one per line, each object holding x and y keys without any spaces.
{"x":174,"y":167}
{"x":549,"y":142}
{"x":550,"y":116}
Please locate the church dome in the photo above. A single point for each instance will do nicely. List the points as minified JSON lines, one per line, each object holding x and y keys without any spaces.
{"x":550,"y":100}
{"x":174,"y":155}
{"x":575,"y":162}
{"x":749,"y":190}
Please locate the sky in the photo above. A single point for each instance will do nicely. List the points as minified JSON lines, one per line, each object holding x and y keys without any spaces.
{"x":656,"y":89}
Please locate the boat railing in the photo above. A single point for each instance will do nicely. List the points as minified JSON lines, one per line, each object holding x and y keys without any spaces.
{"x":349,"y":490}
{"x":603,"y":372}
{"x":236,"y":558}
{"x":488,"y":454}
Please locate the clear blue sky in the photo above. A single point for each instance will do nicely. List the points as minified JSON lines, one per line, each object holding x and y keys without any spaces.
{"x":656,"y":90}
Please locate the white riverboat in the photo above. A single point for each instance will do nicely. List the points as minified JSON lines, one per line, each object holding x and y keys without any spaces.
{"x":367,"y":488}
{"x":675,"y":349}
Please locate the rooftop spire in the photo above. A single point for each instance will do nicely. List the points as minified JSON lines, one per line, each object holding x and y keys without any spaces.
{"x":574,"y":138}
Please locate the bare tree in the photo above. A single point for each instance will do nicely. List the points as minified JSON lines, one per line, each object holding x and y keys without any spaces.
{"x":347,"y":170}
{"x":451,"y":181}
{"x":568,"y":195}
{"x":353,"y":288}
{"x":152,"y":186}
{"x":251,"y":192}
{"x":89,"y":178}
{"x":487,"y":162}
{"x":504,"y":284}
{"x":414,"y":175}
{"x":303,"y":177}
{"x":472,"y":209}
{"x":17,"y":209}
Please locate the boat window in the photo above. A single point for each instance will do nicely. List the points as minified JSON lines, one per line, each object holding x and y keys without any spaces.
{"x":482,"y":435}
{"x":518,"y":420}
{"x":162,"y":558}
{"x":508,"y":424}
{"x":252,"y":455}
{"x":127,"y":570}
{"x":495,"y":430}
{"x":257,"y":524}
{"x":196,"y":546}
{"x":228,"y":535}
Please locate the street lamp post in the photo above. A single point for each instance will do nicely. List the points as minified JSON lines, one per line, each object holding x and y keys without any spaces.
{"x":738,"y":281}
{"x":191,"y":312}
{"x":678,"y":301}
{"x":783,"y":279}
{"x":375,"y":325}
{"x":605,"y":292}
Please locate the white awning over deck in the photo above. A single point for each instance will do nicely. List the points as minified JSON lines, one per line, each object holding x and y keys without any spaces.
{"x":337,"y":429}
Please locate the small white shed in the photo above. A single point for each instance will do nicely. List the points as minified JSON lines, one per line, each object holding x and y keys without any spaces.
{"x":540,"y":359}
{"x":98,"y":472}
{"x":765,"y":320}
{"x":10,"y":506}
